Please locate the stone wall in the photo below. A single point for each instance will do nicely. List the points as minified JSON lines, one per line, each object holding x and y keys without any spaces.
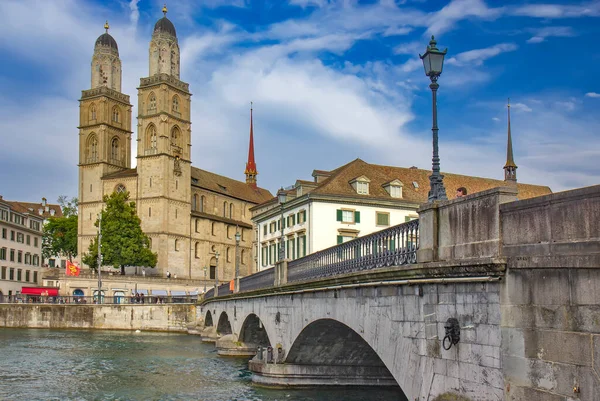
{"x":550,"y":301}
{"x":171,"y":317}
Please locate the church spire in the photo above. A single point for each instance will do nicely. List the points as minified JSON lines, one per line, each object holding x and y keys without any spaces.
{"x":510,"y":168}
{"x":250,"y":171}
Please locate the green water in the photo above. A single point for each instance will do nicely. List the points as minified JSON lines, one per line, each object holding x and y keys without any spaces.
{"x":114,"y":365}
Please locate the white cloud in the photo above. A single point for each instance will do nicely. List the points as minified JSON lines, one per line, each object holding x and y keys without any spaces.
{"x":444,"y":19}
{"x":592,"y":94}
{"x":135,"y":12}
{"x":413,"y":48}
{"x":541,"y":34}
{"x":521,"y":107}
{"x":495,"y":119}
{"x":557,"y":10}
{"x":568,"y":105}
{"x":478,"y":56}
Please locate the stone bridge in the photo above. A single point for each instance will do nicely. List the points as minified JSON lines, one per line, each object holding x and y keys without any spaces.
{"x":520,"y":279}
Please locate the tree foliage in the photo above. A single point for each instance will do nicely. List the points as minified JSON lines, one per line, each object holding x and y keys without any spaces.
{"x":60,"y":233}
{"x":123,"y":241}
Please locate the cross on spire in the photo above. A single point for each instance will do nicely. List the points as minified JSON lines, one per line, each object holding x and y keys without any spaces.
{"x":106,"y":26}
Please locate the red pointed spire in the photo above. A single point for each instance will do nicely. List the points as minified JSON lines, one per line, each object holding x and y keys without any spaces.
{"x":250,"y":171}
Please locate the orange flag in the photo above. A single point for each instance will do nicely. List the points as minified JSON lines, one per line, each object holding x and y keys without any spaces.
{"x":231,"y":285}
{"x":72,"y":269}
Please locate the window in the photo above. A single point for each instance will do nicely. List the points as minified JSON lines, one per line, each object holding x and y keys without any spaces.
{"x":197,"y":224}
{"x":4,"y":233}
{"x":175,"y":106}
{"x":224,"y":209}
{"x":202,"y":203}
{"x":396,"y":191}
{"x":92,"y":112}
{"x":291,"y":249}
{"x":36,"y":260}
{"x":242,"y":257}
{"x":92,"y":148}
{"x":52,"y":263}
{"x":213,"y":229}
{"x":195,"y":202}
{"x":263,"y":259}
{"x":28,"y":239}
{"x":3,"y":273}
{"x":12,"y":255}
{"x":175,"y":136}
{"x":362,"y":188}
{"x":20,"y":238}
{"x":265,"y":229}
{"x":27,"y":275}
{"x":382,"y":218}
{"x":301,"y":246}
{"x":151,"y":103}
{"x":348,"y":216}
{"x":27,"y":258}
{"x":344,"y":238}
{"x":35,"y":241}
{"x":114,"y":149}
{"x":231,"y":208}
{"x":2,"y":253}
{"x":213,"y":270}
{"x":115,"y":114}
{"x":35,"y":277}
{"x":120,"y":189}
{"x":19,"y":274}
{"x":197,"y":250}
{"x":151,"y":136}
{"x":12,"y":235}
{"x":20,"y":257}
{"x":11,"y":274}
{"x":177,"y":245}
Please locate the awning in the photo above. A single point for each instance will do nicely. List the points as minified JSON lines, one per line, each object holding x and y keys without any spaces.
{"x":159,"y":293}
{"x":43,"y":291}
{"x":178,"y":294}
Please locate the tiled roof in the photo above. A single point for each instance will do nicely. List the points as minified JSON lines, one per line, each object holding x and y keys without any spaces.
{"x":339,"y":182}
{"x":130,"y":172}
{"x":33,"y":208}
{"x":229,"y":187}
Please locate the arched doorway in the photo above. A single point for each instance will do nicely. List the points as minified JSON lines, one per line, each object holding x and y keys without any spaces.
{"x":119,"y":297}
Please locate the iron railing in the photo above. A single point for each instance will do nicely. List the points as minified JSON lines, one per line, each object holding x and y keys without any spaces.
{"x":392,"y":246}
{"x":82,"y":300}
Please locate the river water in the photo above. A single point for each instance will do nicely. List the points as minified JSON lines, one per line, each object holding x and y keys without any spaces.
{"x":37,"y":364}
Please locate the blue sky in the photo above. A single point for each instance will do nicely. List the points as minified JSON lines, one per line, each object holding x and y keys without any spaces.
{"x":330,"y":81}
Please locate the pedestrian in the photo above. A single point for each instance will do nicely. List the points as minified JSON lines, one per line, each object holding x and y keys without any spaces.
{"x":168,"y":274}
{"x":460,"y":192}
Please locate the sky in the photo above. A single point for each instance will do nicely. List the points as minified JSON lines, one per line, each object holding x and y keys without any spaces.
{"x":330,"y":81}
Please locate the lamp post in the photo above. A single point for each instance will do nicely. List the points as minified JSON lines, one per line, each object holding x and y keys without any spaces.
{"x":433,"y":61}
{"x":205,"y":279}
{"x":281,"y":198}
{"x":217,"y":273}
{"x":237,"y":260}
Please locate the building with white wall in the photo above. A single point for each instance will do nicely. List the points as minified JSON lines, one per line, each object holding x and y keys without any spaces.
{"x":21,"y":226}
{"x":351,"y":201}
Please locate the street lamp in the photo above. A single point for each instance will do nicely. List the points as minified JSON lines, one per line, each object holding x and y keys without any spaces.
{"x":205,"y":279}
{"x":281,"y":196}
{"x":237,"y":259}
{"x":216,"y":273}
{"x":433,"y":61}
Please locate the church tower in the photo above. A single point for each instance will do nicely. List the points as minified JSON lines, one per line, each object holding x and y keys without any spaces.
{"x":510,"y":168}
{"x":164,"y":152}
{"x":250,"y":171}
{"x":104,"y":133}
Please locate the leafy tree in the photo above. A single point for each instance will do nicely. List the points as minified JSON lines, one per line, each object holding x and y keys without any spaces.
{"x":123,"y":241}
{"x":60,"y":233}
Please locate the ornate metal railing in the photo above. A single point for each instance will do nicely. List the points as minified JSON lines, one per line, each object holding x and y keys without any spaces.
{"x":393,"y":246}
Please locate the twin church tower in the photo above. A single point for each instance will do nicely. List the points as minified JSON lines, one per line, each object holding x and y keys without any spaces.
{"x":189,"y":214}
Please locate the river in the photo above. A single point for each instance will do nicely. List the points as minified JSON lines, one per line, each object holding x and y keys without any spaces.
{"x":39,"y":364}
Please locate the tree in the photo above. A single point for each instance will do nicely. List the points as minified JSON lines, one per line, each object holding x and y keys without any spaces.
{"x":123,"y":241}
{"x":60,"y":233}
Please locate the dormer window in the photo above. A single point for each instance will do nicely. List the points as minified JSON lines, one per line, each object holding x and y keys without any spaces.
{"x":361,"y":185}
{"x":394,"y":188}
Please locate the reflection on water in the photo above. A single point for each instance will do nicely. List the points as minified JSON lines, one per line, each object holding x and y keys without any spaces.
{"x":114,"y":365}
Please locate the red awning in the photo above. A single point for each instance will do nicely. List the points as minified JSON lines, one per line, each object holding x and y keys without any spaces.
{"x":45,"y":291}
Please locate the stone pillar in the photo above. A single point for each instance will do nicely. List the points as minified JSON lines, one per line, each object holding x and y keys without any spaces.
{"x":281,"y":272}
{"x":428,"y":233}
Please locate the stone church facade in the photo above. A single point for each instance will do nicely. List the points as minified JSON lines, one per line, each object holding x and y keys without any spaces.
{"x":191,"y":215}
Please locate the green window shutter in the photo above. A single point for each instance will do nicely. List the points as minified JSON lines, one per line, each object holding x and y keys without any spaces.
{"x":304,"y":246}
{"x":265,"y":229}
{"x":339,"y":214}
{"x":304,"y":214}
{"x":293,"y":219}
{"x":278,"y":225}
{"x":340,"y":239}
{"x":357,"y":217}
{"x":298,"y":216}
{"x":298,"y":246}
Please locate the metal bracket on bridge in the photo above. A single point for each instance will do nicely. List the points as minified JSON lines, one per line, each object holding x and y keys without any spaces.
{"x":452,"y":336}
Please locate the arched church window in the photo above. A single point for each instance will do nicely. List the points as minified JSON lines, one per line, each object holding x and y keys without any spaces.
{"x":197,"y":250}
{"x":175,"y":135}
{"x":195,"y":203}
{"x":176,"y":245}
{"x":114,"y":149}
{"x":115,"y":114}
{"x":92,"y":148}
{"x":151,"y":102}
{"x":120,"y":189}
{"x":175,"y":105}
{"x":92,"y":111}
{"x":213,"y":228}
{"x":202,"y":203}
{"x":151,"y":135}
{"x":231,"y":210}
{"x":224,"y":209}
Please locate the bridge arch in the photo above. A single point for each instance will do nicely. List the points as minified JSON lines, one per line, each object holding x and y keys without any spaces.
{"x":328,"y":342}
{"x":208,"y":320}
{"x":253,"y":331}
{"x":224,"y":326}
